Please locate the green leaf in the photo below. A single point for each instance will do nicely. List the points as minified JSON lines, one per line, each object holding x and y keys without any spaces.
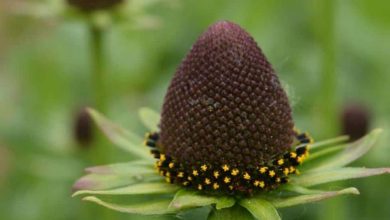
{"x":260,"y":208}
{"x":135,"y":189}
{"x":145,"y":208}
{"x":319,"y":177}
{"x":149,"y":118}
{"x":232,"y":213}
{"x":127,"y":168}
{"x":303,"y":199}
{"x":189,"y":199}
{"x":329,"y":142}
{"x":352,"y":152}
{"x":319,"y":154}
{"x":115,"y":175}
{"x":102,"y":182}
{"x":299,"y":189}
{"x":119,"y":136}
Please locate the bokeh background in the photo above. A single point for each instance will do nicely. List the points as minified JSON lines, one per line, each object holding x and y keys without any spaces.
{"x":328,"y":54}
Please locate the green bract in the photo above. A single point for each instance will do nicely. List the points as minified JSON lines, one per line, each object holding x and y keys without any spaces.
{"x":139,"y":178}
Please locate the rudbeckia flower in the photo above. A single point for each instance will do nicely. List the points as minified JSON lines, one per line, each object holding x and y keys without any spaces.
{"x":225,"y":140}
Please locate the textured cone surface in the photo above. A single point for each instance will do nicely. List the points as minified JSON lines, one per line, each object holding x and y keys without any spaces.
{"x":90,"y":5}
{"x":225,"y":104}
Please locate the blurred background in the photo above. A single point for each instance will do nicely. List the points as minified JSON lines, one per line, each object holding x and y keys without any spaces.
{"x":332,"y":57}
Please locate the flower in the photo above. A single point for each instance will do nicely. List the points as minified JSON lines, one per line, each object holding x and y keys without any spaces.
{"x":225,"y":140}
{"x":225,"y":112}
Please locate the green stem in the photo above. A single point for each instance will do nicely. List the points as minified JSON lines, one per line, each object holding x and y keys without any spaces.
{"x":326,"y":30}
{"x":101,"y":153}
{"x":324,"y":25}
{"x":97,"y":64}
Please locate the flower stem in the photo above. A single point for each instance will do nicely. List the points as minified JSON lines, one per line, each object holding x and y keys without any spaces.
{"x":98,"y":68}
{"x":101,"y":152}
{"x":326,"y":106}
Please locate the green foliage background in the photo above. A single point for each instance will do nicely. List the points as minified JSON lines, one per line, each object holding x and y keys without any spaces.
{"x":327,"y":53}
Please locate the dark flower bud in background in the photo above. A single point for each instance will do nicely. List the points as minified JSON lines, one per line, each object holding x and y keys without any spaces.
{"x":92,"y":5}
{"x":226,"y":123}
{"x":83,"y":128}
{"x":355,"y":119}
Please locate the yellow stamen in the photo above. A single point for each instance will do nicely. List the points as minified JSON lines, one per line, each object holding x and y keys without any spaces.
{"x":171,"y":165}
{"x":195,"y":173}
{"x":293,"y":154}
{"x":271,"y":173}
{"x":168,"y":180}
{"x":226,"y":180}
{"x":247,"y":176}
{"x":203,"y":167}
{"x":180,"y":174}
{"x":256,"y":183}
{"x":185,"y":183}
{"x":235,"y":172}
{"x":280,"y":161}
{"x":207,"y":181}
{"x":215,"y":186}
{"x":189,"y":178}
{"x":277,"y":180}
{"x":200,"y":187}
{"x":263,"y":169}
{"x":286,"y":171}
{"x":231,"y":187}
{"x":216,"y":174}
{"x":162,"y":157}
{"x":225,"y":167}
{"x":262,"y":184}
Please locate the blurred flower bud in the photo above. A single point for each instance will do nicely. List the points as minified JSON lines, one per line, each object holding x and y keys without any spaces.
{"x":93,"y":5}
{"x":83,"y":128}
{"x":355,"y":119}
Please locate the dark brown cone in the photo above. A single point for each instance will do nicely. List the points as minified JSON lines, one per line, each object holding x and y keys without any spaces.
{"x":91,"y":5}
{"x":225,"y":104}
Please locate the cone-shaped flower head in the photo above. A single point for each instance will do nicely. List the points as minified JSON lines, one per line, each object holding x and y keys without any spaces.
{"x":91,"y":5}
{"x":225,"y":104}
{"x":225,"y":111}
